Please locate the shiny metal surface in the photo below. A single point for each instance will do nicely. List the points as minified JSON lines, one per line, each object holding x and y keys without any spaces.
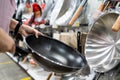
{"x":68,"y":13}
{"x":102,"y":44}
{"x":61,"y":11}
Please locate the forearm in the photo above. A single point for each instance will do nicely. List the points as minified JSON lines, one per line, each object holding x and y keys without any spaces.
{"x":16,"y":26}
{"x":6,"y":42}
{"x":13,"y":24}
{"x":23,"y":29}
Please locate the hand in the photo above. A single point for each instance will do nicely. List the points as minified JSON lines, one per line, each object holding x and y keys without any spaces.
{"x":25,"y":30}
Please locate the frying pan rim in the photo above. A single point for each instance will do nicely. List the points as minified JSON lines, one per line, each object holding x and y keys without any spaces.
{"x":57,"y":63}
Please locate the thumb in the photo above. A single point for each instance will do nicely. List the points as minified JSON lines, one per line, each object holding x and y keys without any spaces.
{"x":36,"y":35}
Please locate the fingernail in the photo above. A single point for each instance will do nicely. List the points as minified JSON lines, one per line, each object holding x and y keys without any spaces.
{"x":36,"y":36}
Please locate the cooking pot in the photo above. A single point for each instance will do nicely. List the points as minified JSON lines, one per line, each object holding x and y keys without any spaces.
{"x":54,"y":55}
{"x":102,"y":44}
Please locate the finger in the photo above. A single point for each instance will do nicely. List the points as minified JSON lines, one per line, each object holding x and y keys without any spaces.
{"x":37,"y":33}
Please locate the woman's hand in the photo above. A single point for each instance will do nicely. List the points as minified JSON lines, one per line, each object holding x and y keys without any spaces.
{"x":25,"y":30}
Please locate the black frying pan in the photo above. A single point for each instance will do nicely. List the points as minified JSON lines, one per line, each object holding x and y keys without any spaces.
{"x":54,"y":55}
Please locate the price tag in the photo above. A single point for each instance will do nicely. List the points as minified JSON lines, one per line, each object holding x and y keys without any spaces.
{"x":26,"y":78}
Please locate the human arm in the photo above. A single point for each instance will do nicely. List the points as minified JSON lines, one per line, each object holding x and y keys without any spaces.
{"x":6,"y":42}
{"x":24,"y":30}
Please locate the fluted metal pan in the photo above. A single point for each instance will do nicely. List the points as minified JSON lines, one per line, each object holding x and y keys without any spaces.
{"x":102,"y":44}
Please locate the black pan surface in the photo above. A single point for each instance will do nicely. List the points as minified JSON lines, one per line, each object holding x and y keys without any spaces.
{"x":55,"y":55}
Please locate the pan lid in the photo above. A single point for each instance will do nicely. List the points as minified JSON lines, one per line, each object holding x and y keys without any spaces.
{"x":102,"y":44}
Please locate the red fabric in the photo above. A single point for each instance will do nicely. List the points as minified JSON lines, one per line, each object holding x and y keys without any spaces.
{"x":35,"y":7}
{"x":43,"y":6}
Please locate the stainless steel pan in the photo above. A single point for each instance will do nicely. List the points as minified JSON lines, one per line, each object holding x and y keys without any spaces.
{"x":102,"y":44}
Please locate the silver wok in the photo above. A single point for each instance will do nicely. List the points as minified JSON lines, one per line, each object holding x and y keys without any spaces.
{"x":102,"y":44}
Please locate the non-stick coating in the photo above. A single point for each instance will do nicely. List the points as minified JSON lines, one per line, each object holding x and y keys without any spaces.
{"x":55,"y":55}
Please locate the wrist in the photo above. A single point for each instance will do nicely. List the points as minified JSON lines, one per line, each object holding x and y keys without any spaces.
{"x":16,"y":30}
{"x":21,"y":29}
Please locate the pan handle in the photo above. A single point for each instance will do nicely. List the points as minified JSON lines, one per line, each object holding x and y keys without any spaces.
{"x":116,"y":25}
{"x":21,"y":52}
{"x":77,"y":13}
{"x":101,"y":7}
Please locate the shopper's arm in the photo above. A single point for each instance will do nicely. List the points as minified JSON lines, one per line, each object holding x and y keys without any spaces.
{"x":7,"y":44}
{"x":13,"y":24}
{"x":24,"y":29}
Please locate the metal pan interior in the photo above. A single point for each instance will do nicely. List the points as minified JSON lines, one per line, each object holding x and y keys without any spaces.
{"x":102,"y":44}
